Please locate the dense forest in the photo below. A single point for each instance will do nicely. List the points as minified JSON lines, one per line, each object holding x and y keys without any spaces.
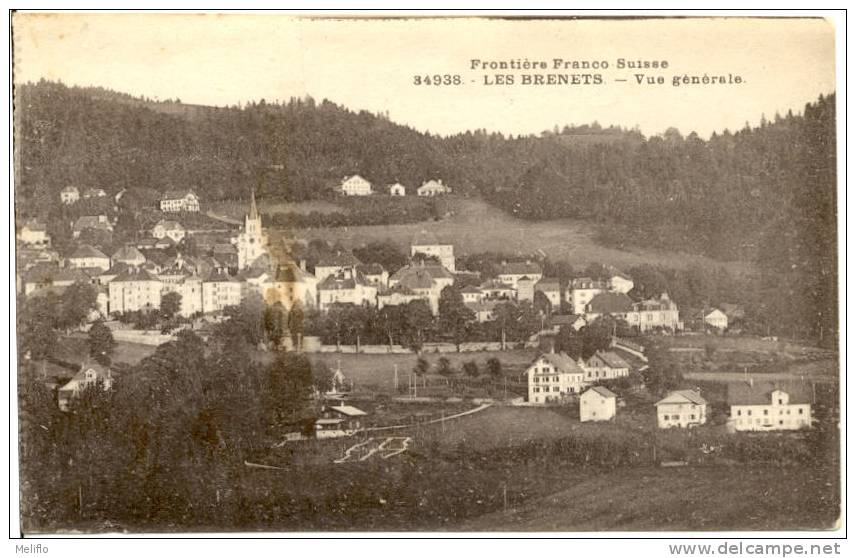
{"x":765,"y":193}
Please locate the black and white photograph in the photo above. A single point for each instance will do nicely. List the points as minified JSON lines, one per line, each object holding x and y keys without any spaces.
{"x":336,"y":273}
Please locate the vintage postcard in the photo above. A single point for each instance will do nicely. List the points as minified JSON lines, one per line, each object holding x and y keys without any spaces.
{"x":391,"y":273}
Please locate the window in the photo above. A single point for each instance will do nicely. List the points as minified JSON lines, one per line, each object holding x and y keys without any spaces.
{"x":749,"y":413}
{"x":692,"y":417}
{"x":766,"y":412}
{"x":665,"y":417}
{"x":738,"y":412}
{"x":800,"y":411}
{"x":781,"y":422}
{"x":780,"y":401}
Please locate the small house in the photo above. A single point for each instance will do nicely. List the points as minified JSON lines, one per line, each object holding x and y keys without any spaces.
{"x":597,"y":404}
{"x":681,"y":409}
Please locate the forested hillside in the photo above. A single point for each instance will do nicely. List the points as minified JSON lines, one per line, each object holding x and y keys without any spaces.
{"x":765,"y":193}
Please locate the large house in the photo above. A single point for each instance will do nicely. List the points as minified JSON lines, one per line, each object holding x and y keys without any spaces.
{"x":175,"y":201}
{"x":133,"y":290}
{"x":511,"y":273}
{"x":87,"y":257}
{"x":681,"y":409}
{"x":427,"y":244}
{"x":553,"y":377}
{"x":597,"y":404}
{"x":582,"y":290}
{"x":339,"y":262}
{"x":355,"y":185}
{"x":767,"y":406}
{"x":346,"y":288}
{"x":170,"y":229}
{"x":433,"y":188}
{"x":89,"y":375}
{"x":605,"y":365}
{"x":34,"y":233}
{"x":69,"y":195}
{"x":220,"y":291}
{"x":655,"y":313}
{"x":425,"y":280}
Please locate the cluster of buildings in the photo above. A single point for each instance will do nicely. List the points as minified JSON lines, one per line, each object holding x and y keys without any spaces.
{"x":356,"y":185}
{"x":753,"y":406}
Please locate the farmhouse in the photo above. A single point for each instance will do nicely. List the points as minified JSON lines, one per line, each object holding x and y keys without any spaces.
{"x":175,"y":201}
{"x":597,"y":404}
{"x":69,"y":195}
{"x":553,"y":377}
{"x":433,"y":188}
{"x":681,"y":409}
{"x":427,"y":244}
{"x":355,"y":186}
{"x":605,"y":365}
{"x":90,"y":374}
{"x":767,"y":406}
{"x":396,"y":190}
{"x":339,"y":420}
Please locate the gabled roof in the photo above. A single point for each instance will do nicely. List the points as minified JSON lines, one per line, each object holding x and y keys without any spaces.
{"x":92,"y":222}
{"x":758,"y":392}
{"x":339,"y":259}
{"x":132,"y":274}
{"x":602,"y":391}
{"x":610,"y":359}
{"x":347,"y":410}
{"x":101,"y":373}
{"x":565,"y":319}
{"x":215,"y":276}
{"x":169,"y":225}
{"x":52,"y":273}
{"x":520,"y":268}
{"x":587,"y":283}
{"x":87,"y":251}
{"x":128,"y":253}
{"x":69,"y":189}
{"x":334,"y":283}
{"x":432,"y":271}
{"x":609,"y":303}
{"x":495,"y":284}
{"x":425,"y":238}
{"x":562,"y":362}
{"x":417,"y":279}
{"x":683,"y":396}
{"x":548,"y":284}
{"x":371,"y":269}
{"x":471,"y":289}
{"x":177,"y":194}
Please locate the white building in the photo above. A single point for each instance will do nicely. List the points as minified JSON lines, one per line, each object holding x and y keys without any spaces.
{"x":34,"y":233}
{"x":681,"y":409}
{"x":355,"y":186}
{"x":175,"y":201}
{"x":581,"y":292}
{"x":765,"y":406}
{"x":620,"y":282}
{"x":220,"y":291}
{"x":69,"y":195}
{"x":605,"y":365}
{"x":170,"y":229}
{"x":511,"y":273}
{"x":597,"y":404}
{"x":85,"y":256}
{"x":554,"y":377}
{"x":716,"y":318}
{"x":426,"y":243}
{"x":252,"y":242}
{"x":134,"y":290}
{"x":346,"y":288}
{"x":396,"y":190}
{"x":655,"y":313}
{"x":433,"y":188}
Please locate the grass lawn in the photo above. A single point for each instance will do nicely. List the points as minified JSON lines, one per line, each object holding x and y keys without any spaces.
{"x":679,"y":499}
{"x":378,"y":371}
{"x":479,"y":227}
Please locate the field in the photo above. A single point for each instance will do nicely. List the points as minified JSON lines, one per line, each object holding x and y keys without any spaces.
{"x":750,"y":498}
{"x":476,"y":226}
{"x":378,"y":371}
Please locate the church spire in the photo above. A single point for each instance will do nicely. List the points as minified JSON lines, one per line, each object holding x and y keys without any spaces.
{"x":254,"y":212}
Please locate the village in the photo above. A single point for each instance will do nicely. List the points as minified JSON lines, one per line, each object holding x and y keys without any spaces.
{"x":199,"y":275}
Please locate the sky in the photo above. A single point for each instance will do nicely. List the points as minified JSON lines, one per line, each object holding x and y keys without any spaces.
{"x":370,"y":64}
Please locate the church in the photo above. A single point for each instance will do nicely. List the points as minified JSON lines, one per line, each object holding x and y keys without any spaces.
{"x":252,"y":241}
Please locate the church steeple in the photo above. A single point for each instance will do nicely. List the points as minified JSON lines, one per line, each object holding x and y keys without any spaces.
{"x":254,"y":212}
